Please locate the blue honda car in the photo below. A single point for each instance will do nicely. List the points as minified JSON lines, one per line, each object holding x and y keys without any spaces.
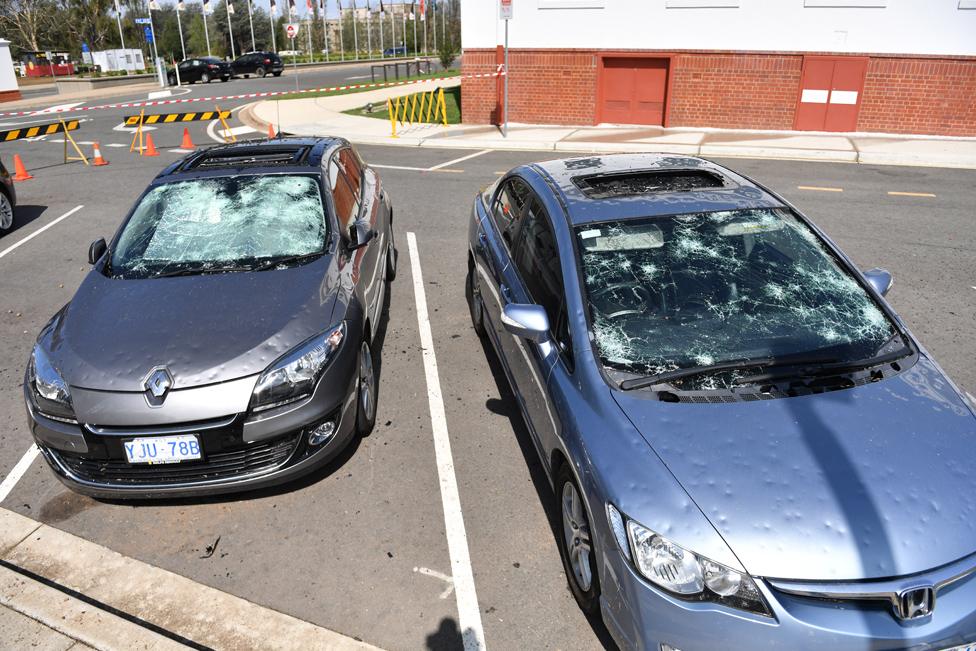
{"x":748,"y":449}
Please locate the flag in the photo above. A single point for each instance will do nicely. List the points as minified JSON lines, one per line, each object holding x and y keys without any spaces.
{"x":382,"y":10}
{"x":230,"y":7}
{"x":423,"y":11}
{"x":309,"y":5}
{"x":180,"y":6}
{"x":413,"y":8}
{"x":274,"y":8}
{"x":292,"y":10}
{"x":117,"y":7}
{"x":206,"y":7}
{"x":153,"y":4}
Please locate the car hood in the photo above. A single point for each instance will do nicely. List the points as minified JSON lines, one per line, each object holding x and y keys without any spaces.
{"x":204,"y":329}
{"x":869,"y":482}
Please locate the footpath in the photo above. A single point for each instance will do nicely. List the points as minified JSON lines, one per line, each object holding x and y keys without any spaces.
{"x":324,"y":116}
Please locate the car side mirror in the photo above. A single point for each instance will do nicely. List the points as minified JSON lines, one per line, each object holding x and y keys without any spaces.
{"x":527,"y":321}
{"x":97,"y":250}
{"x":359,"y":235}
{"x":880,"y":279}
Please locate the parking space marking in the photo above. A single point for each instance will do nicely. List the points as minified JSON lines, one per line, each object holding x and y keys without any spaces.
{"x":817,"y":188}
{"x":39,"y":231}
{"x":911,"y":194}
{"x":460,"y":160}
{"x":11,"y":480}
{"x":469,"y":613}
{"x":415,"y":169}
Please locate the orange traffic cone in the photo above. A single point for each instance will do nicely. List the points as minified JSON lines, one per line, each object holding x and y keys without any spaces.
{"x":21,"y":173}
{"x":97,"y":157}
{"x":187,"y":141}
{"x":150,"y":149}
{"x":271,"y":132}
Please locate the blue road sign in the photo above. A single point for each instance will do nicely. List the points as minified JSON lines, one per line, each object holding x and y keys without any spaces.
{"x":149,"y":34}
{"x":142,"y":21}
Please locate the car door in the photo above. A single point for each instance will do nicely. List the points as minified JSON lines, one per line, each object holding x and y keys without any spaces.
{"x":536,"y":278}
{"x":186,"y":72}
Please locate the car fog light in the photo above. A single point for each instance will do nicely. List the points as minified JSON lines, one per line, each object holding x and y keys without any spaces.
{"x":321,"y":433}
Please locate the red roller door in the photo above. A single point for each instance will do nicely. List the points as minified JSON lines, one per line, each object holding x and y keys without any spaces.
{"x":632,"y":90}
{"x":830,"y":93}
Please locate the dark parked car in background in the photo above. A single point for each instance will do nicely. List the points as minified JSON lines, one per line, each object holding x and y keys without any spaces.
{"x":399,"y":51}
{"x":258,"y":64}
{"x":203,"y":69}
{"x":8,"y":199}
{"x":225,"y":339}
{"x":748,"y":448}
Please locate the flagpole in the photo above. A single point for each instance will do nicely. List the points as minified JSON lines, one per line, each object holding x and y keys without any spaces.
{"x":413,"y":12}
{"x":179,"y":27}
{"x":423,"y":17}
{"x":355,"y":28}
{"x":230,"y":29}
{"x":393,"y":31}
{"x":206,"y":31}
{"x":325,"y":27}
{"x":250,"y":21}
{"x":404,"y":28}
{"x":271,"y":15}
{"x":152,"y":29}
{"x":382,"y":51}
{"x":369,"y":32}
{"x":342,"y":46}
{"x":118,"y":19}
{"x":309,"y":22}
{"x":433,"y":13}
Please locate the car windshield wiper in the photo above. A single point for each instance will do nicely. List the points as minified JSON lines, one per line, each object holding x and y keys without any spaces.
{"x":731,"y":365}
{"x":271,"y":264}
{"x":831,"y":368}
{"x":259,"y":266}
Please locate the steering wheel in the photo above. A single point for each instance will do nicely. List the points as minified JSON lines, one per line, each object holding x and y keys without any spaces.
{"x":622,"y":299}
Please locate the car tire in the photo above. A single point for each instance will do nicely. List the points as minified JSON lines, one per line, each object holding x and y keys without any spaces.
{"x":204,"y":78}
{"x":260,"y":73}
{"x":277,"y":74}
{"x":576,"y":543}
{"x":475,"y":305}
{"x":171,"y":80}
{"x":6,"y":213}
{"x":247,"y":76}
{"x":391,"y":261}
{"x":225,"y":79}
{"x":366,"y":390}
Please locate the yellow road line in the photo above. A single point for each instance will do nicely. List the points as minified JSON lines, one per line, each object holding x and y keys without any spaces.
{"x":818,"y":188}
{"x":911,"y":194}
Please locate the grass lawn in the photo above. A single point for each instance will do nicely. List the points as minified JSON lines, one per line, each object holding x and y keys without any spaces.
{"x":440,"y":73}
{"x":452,"y":101}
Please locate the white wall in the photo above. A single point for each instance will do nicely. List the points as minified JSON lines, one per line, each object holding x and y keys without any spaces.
{"x":8,"y":78}
{"x":876,"y":26}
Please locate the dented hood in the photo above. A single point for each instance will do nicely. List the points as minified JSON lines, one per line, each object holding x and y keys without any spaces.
{"x":205,"y":329}
{"x":870,"y":482}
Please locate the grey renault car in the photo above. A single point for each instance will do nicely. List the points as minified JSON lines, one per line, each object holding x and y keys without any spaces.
{"x":747,"y":447}
{"x":225,"y":339}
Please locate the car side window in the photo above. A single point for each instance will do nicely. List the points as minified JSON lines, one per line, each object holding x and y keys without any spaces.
{"x":508,"y":206}
{"x":537,"y":261}
{"x":345,"y":201}
{"x":352,"y":168}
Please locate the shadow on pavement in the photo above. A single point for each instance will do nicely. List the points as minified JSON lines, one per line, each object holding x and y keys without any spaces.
{"x":23,"y":215}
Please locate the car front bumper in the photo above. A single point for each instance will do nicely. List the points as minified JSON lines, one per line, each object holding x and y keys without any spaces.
{"x":240,"y":452}
{"x":639,"y":616}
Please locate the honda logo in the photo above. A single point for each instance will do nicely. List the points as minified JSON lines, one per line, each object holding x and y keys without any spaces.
{"x":157,"y":384}
{"x":915,"y":603}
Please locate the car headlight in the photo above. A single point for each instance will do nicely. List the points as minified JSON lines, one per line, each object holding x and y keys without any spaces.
{"x":48,"y":389}
{"x":293,"y":377}
{"x":682,"y":572}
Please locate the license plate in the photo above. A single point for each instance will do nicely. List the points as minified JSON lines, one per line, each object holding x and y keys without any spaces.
{"x":163,"y":449}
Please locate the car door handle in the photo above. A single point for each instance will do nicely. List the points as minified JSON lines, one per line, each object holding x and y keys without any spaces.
{"x":506,"y":294}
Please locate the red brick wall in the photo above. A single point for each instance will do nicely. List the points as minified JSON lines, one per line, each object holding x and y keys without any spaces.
{"x":736,"y":90}
{"x":936,"y":96}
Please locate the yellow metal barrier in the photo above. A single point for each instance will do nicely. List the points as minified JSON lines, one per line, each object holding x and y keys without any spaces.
{"x":428,"y":107}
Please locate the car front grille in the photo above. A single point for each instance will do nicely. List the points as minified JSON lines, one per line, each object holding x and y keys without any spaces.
{"x":248,"y":460}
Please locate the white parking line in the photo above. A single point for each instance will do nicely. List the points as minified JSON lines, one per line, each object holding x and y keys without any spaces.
{"x":469,"y":614}
{"x":39,"y":231}
{"x":460,"y":160}
{"x":11,"y":480}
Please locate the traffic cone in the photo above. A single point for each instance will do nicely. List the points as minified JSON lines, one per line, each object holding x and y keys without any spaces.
{"x":150,"y":149}
{"x":187,"y":141}
{"x":21,"y":173}
{"x":97,"y":157}
{"x":271,"y":132}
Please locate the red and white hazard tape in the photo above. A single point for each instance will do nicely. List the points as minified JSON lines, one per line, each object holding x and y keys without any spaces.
{"x":164,"y":102}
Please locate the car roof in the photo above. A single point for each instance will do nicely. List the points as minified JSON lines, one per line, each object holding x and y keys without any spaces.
{"x":272,"y":156}
{"x":581,"y":185}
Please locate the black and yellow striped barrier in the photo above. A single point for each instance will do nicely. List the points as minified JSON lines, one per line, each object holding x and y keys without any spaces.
{"x":39,"y":130}
{"x":167,"y":118}
{"x":426,"y":107}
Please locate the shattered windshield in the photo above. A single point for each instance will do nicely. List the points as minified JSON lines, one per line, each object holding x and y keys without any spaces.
{"x":234,"y":223}
{"x":699,"y":289}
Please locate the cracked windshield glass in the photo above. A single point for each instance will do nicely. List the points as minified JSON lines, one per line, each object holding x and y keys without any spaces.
{"x":705,"y":288}
{"x":222,"y":224}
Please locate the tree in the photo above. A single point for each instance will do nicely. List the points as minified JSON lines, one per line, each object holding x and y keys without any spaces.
{"x":27,"y":21}
{"x":88,"y":21}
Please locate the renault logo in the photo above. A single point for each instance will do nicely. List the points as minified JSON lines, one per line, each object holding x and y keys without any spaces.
{"x":915,"y":603}
{"x":157,"y":384}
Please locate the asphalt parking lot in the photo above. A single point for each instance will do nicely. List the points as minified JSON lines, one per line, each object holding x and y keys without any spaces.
{"x":362,"y":547}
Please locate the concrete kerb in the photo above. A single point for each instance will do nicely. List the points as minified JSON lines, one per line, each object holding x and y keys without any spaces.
{"x":147,"y":601}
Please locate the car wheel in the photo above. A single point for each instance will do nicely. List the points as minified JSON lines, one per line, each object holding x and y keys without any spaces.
{"x":475,"y":305}
{"x":277,"y":74}
{"x":225,"y":78}
{"x":204,"y":78}
{"x":366,"y":391}
{"x":6,"y":212}
{"x":172,"y":80}
{"x":576,"y":543}
{"x":260,"y":72}
{"x":391,"y":261}
{"x":247,"y":76}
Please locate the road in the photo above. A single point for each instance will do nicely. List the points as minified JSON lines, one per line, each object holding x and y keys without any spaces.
{"x":361,"y":547}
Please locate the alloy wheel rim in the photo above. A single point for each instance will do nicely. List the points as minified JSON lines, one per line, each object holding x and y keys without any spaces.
{"x":576,"y":530}
{"x":6,"y":213}
{"x":367,"y":382}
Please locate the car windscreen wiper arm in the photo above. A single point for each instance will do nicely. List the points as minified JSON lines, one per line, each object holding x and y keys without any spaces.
{"x":731,"y":365}
{"x":271,"y":264}
{"x":831,"y":368}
